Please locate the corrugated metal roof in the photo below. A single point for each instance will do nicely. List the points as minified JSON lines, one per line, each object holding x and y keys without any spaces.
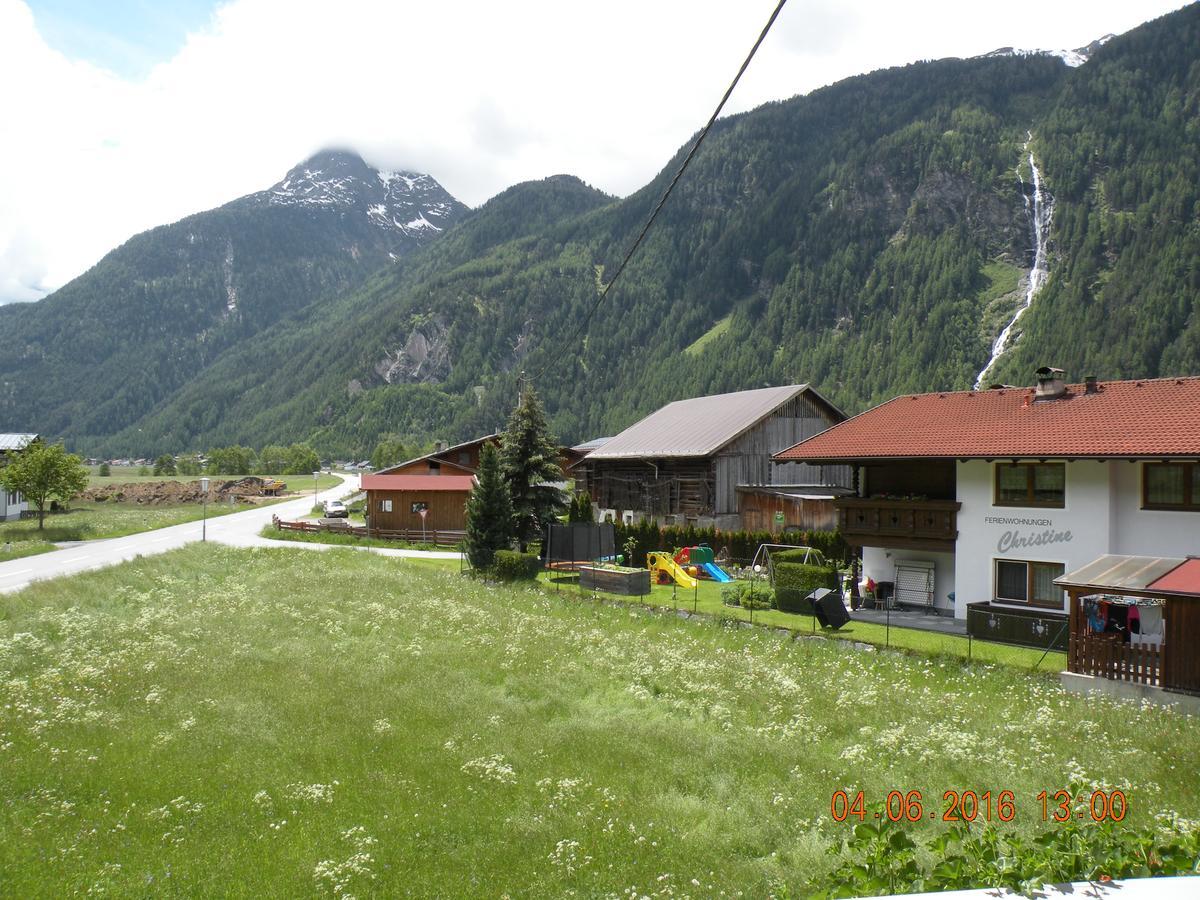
{"x":700,"y":426}
{"x":1116,"y":573}
{"x":418,"y":482}
{"x":1150,"y":418}
{"x":16,"y":441}
{"x":593,"y":444}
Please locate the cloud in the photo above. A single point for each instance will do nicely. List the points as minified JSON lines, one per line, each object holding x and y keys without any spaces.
{"x":480,"y":94}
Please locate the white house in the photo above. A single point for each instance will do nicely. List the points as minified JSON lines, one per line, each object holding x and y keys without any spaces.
{"x":981,"y":499}
{"x":12,"y":504}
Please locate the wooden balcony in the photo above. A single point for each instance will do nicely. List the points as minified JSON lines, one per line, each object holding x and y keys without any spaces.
{"x":905,"y":524}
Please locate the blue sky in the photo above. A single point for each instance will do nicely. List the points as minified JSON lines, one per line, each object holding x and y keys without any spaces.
{"x":126,"y":37}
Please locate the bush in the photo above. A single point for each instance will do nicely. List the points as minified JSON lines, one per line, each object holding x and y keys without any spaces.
{"x":795,"y":581}
{"x":509,"y":565}
{"x":814,"y":557}
{"x":762,"y":597}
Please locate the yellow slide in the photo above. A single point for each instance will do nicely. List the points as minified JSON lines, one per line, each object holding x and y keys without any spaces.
{"x":662,"y":562}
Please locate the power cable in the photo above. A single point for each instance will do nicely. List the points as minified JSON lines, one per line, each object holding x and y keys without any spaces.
{"x":582,"y":326}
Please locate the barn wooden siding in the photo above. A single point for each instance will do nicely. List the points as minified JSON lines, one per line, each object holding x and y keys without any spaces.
{"x":759,"y":506}
{"x":447,"y":510}
{"x":707,"y":486}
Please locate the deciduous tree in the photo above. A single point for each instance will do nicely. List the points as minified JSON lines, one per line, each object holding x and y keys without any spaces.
{"x":44,"y":472}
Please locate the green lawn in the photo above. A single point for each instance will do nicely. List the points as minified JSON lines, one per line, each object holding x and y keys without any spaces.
{"x":86,"y":521}
{"x":341,"y":540}
{"x":707,"y":599}
{"x":17,"y":550}
{"x":220,"y":722}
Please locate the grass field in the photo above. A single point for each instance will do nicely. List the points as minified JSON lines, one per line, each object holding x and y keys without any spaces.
{"x":86,"y":521}
{"x":128,"y":475}
{"x":253,"y":723}
{"x":706,"y":599}
{"x":10,"y":549}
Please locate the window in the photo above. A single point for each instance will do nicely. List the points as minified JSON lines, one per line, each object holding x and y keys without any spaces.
{"x":435,"y":466}
{"x":1031,"y":484}
{"x":1018,"y":581}
{"x":385,"y":505}
{"x":464,"y":458}
{"x":419,"y":507}
{"x":1171,"y":485}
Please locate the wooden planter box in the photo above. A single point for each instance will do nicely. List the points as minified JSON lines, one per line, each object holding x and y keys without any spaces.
{"x":632,"y":583}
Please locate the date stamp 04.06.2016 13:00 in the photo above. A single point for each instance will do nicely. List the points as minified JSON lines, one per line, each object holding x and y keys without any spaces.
{"x":974,"y":806}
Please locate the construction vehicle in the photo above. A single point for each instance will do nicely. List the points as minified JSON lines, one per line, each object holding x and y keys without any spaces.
{"x":273,"y":487}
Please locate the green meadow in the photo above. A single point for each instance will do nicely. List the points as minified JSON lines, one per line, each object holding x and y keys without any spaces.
{"x":254,"y":723}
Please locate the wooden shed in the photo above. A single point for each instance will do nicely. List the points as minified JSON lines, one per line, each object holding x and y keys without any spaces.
{"x":394,"y":502}
{"x":687,"y":460}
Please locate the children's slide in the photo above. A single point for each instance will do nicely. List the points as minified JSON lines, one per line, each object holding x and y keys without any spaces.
{"x":662,"y":562}
{"x":716,"y":573}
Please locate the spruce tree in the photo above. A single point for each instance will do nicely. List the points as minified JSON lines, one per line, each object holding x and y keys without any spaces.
{"x":529,"y":459}
{"x":489,"y":512}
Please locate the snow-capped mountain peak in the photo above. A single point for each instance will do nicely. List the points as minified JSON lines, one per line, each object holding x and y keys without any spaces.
{"x":411,"y":203}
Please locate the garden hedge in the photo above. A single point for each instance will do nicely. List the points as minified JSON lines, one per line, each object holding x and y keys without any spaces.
{"x":795,"y":581}
{"x":509,"y":565}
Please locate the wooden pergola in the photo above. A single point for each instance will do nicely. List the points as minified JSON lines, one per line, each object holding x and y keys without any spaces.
{"x":1174,"y":664}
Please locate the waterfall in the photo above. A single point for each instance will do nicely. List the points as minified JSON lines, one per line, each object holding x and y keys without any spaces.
{"x":1039,"y":208}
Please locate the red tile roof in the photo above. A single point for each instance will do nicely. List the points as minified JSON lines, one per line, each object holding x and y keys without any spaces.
{"x":418,"y":482}
{"x":1183,"y":579}
{"x":1153,"y":418}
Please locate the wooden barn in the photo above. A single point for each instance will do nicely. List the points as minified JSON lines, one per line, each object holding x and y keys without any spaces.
{"x":685,"y":462}
{"x":394,"y":502}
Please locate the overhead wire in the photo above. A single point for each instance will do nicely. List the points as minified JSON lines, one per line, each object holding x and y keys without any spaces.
{"x":604,"y":292}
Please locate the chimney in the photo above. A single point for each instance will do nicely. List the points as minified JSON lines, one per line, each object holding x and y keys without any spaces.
{"x":1050,"y":383}
{"x":1090,"y":386}
{"x":441,"y":446}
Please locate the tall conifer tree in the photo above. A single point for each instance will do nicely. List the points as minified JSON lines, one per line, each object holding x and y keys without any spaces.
{"x":529,"y":459}
{"x":489,"y":512}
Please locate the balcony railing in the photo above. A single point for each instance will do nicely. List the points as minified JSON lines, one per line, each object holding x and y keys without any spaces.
{"x":1105,"y":656}
{"x":878,"y":522}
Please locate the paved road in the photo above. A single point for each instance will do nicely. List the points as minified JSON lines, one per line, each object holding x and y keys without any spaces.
{"x":237,"y":530}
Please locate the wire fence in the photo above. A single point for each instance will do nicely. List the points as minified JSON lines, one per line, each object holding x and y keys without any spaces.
{"x":1035,"y":641}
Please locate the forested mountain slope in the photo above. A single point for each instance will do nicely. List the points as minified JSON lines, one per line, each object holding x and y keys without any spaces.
{"x":873,"y":237}
{"x":102,"y":351}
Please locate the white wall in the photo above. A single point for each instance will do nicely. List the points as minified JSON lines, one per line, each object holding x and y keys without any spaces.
{"x":1073,"y":536}
{"x":1140,"y":532}
{"x":14,"y":511}
{"x":880,"y":564}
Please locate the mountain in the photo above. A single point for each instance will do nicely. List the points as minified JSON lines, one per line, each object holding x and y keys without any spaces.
{"x":874,"y":237}
{"x":102,"y":351}
{"x":1073,"y":58}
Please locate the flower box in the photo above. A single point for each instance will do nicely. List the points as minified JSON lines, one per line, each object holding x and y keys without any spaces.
{"x":631,"y":582}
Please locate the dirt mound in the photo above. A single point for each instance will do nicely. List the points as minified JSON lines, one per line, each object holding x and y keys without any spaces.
{"x":156,"y":493}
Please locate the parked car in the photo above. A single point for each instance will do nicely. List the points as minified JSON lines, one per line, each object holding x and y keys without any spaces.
{"x":335,"y":509}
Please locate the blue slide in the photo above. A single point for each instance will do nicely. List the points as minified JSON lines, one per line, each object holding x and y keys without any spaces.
{"x":716,"y":573}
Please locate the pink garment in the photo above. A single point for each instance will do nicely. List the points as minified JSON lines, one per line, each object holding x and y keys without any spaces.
{"x":1135,"y":621}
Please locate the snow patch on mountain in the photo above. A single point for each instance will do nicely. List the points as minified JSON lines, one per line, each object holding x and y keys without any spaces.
{"x":410,"y":203}
{"x":1073,"y":58}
